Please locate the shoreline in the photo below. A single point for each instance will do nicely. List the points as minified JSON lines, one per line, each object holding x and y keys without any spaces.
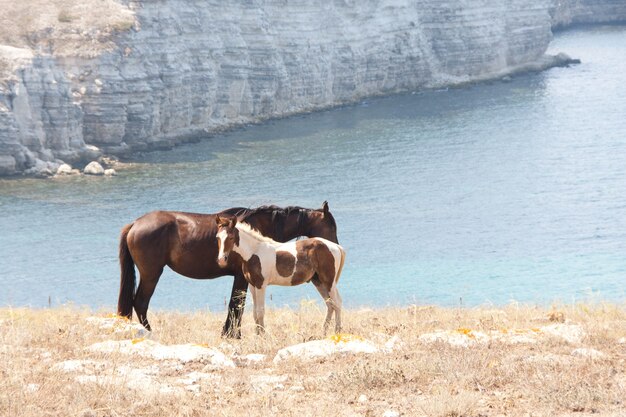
{"x":121,"y":160}
{"x":132,"y":97}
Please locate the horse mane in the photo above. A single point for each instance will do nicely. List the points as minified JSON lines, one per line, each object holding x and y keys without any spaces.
{"x":246,"y":228}
{"x":278,"y":216}
{"x":243,"y":212}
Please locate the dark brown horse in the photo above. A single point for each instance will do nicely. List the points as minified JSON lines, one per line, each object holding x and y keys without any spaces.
{"x":187,"y":243}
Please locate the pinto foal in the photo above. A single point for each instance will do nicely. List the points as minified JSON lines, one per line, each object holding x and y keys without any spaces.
{"x":267,"y":262}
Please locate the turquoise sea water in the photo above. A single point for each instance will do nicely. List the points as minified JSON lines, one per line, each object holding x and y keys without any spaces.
{"x":486,"y":194}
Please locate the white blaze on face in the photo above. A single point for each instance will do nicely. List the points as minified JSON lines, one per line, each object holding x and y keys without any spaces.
{"x":221,"y":236}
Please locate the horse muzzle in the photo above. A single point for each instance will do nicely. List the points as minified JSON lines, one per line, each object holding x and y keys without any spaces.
{"x":222,"y":261}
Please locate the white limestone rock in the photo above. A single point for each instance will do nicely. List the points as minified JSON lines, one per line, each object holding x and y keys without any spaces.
{"x":180,"y":353}
{"x":93,"y":168}
{"x":455,"y":338}
{"x":252,"y":359}
{"x":65,"y":169}
{"x":110,"y":172}
{"x":120,"y":326}
{"x":572,"y":333}
{"x":588,"y":353}
{"x":316,"y":349}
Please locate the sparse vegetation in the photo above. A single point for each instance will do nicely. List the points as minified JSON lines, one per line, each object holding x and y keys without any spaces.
{"x":65,"y":17}
{"x":64,"y":27}
{"x":417,"y":378}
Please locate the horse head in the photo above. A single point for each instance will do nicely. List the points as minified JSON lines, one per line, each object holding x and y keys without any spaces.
{"x":319,"y":223}
{"x":227,"y":238}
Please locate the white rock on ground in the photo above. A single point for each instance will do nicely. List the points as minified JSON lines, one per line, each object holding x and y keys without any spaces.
{"x":191,"y":380}
{"x":326,"y":347}
{"x":93,"y":168}
{"x":391,"y":413}
{"x":77,"y":365}
{"x":262,"y":383}
{"x":141,"y":379}
{"x":110,"y":172}
{"x":181,"y":353}
{"x":455,"y":338}
{"x":622,"y":341}
{"x":572,"y":333}
{"x":32,"y":387}
{"x":104,"y":373}
{"x":249,"y":360}
{"x":119,"y":326}
{"x":588,"y":353}
{"x":394,"y":343}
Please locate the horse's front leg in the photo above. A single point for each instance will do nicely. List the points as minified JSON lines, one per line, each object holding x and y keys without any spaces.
{"x":232,"y":327}
{"x":258,"y":297}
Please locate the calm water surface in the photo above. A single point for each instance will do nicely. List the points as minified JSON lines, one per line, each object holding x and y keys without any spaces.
{"x":487,"y":194}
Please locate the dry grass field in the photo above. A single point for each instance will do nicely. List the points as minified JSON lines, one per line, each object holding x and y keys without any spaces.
{"x":63,"y":27}
{"x":512,"y":361}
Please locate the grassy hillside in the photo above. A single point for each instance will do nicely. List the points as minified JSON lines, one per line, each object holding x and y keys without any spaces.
{"x":445,"y":362}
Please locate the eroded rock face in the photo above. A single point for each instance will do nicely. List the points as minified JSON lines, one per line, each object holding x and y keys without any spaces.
{"x":188,"y":67}
{"x":571,"y":12}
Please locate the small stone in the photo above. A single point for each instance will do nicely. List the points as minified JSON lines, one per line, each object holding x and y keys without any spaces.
{"x":362,"y":398}
{"x":32,"y":387}
{"x":94,"y":168}
{"x":110,"y":172}
{"x":391,"y":413}
{"x":98,"y":82}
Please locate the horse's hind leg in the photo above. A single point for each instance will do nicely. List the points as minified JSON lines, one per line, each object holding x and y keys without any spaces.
{"x":147,"y":283}
{"x":258,"y":298}
{"x":329,"y":303}
{"x":337,"y":302}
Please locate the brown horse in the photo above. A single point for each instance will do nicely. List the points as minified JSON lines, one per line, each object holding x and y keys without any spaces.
{"x":186,"y":242}
{"x":267,"y":262}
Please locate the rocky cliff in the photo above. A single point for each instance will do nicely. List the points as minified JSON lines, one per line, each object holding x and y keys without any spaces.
{"x":570,"y":12}
{"x":187,"y":67}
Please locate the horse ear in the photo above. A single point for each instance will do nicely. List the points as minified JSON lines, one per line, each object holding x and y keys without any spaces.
{"x":218,"y":220}
{"x":233,"y":222}
{"x":325,"y":207}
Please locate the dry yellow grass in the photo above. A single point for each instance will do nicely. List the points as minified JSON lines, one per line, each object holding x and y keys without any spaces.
{"x":63,"y":27}
{"x":546,"y":378}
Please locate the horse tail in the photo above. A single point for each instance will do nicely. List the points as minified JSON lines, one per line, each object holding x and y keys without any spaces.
{"x":343,"y":259}
{"x":127,"y":277}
